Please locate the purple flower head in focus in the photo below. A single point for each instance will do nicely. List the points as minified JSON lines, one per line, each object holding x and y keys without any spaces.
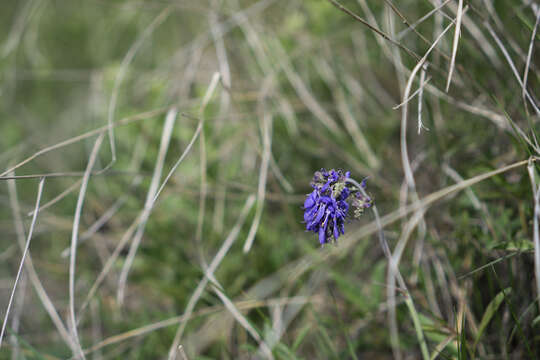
{"x":326,"y":207}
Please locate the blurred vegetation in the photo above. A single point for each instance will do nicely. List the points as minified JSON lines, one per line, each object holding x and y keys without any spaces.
{"x":317,"y":88}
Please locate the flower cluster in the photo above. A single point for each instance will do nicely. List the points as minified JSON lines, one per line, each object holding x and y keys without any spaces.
{"x":326,"y":207}
{"x":361,"y":200}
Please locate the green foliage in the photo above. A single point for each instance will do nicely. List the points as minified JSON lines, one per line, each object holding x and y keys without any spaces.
{"x":324,"y":86}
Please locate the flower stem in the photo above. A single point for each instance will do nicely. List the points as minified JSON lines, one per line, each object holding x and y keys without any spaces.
{"x":408,"y":299}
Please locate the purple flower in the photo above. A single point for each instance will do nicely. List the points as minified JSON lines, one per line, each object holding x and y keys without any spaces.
{"x":361,"y":200}
{"x":326,"y":208}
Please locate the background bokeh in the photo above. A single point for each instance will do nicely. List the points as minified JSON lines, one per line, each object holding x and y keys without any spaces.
{"x":301,"y":85}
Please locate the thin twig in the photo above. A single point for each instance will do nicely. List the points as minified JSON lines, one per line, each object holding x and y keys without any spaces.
{"x":371,"y":27}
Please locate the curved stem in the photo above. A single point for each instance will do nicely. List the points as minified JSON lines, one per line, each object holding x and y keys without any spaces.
{"x":382,"y":239}
{"x":408,"y":299}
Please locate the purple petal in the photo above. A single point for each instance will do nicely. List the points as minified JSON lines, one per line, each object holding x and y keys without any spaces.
{"x":309,"y":214}
{"x":363,"y":183}
{"x":322,"y":235}
{"x":319,"y":216}
{"x":310,"y":201}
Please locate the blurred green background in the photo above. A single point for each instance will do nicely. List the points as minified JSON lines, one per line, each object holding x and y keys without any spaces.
{"x":302,"y":86}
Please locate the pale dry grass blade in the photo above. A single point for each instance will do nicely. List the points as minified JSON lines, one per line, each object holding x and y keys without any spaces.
{"x":206,"y":99}
{"x":512,"y":66}
{"x":202,"y":145}
{"x":108,"y":264}
{"x":17,"y":30}
{"x":86,"y":135}
{"x":380,"y":40}
{"x":216,"y":77}
{"x":224,"y":109}
{"x":263,"y":175}
{"x":243,"y":321}
{"x":498,"y":119}
{"x":440,"y":346}
{"x":373,"y":28}
{"x":59,"y":197}
{"x":21,"y":264}
{"x":107,"y":215}
{"x":473,"y":29}
{"x":529,"y":57}
{"x":351,"y":123}
{"x":137,"y":158}
{"x":16,"y":319}
{"x":422,"y":227}
{"x":402,"y":242}
{"x":238,"y":18}
{"x":74,"y":240}
{"x":404,"y":32}
{"x":303,"y":91}
{"x":224,"y":68}
{"x":128,"y":58}
{"x":31,"y":271}
{"x":414,"y":94}
{"x":395,"y":58}
{"x":395,"y":9}
{"x":536,"y":231}
{"x":494,"y":16}
{"x":182,"y":353}
{"x":255,"y":43}
{"x":404,"y":114}
{"x":130,"y":231}
{"x":96,"y":328}
{"x":285,"y":314}
{"x":280,"y":176}
{"x":210,"y":272}
{"x":431,"y":293}
{"x":241,"y":305}
{"x":285,"y":107}
{"x":182,"y":86}
{"x":457,"y":34}
{"x":457,"y":178}
{"x":266,"y":129}
{"x":145,"y":213}
{"x":420,"y":95}
{"x":393,"y":275}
